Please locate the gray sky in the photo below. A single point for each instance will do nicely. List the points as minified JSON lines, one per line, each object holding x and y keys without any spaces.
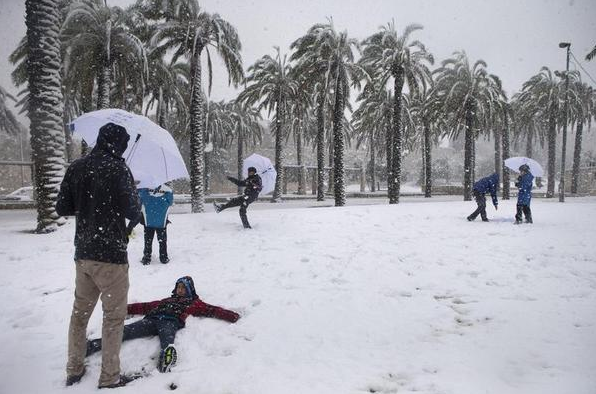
{"x":515,"y":37}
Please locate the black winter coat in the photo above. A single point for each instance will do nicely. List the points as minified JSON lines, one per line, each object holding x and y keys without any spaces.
{"x":252,"y":185}
{"x":99,"y":190}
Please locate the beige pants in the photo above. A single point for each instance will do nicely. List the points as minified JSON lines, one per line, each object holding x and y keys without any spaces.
{"x":111,"y":281}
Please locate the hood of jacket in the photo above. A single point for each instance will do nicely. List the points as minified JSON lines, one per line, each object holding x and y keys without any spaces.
{"x":189,"y":284}
{"x":112,"y":139}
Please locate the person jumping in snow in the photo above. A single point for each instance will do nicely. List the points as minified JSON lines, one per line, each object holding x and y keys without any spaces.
{"x":490,"y":184}
{"x":252,"y":187}
{"x":524,"y":196}
{"x":165,"y":317}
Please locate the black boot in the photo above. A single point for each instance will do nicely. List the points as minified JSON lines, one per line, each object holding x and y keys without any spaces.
{"x":93,"y":346}
{"x":167,"y":359}
{"x":123,"y":381}
{"x":70,"y":380}
{"x":217,"y":207}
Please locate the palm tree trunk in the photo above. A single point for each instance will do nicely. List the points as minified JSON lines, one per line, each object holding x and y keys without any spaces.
{"x":398,"y":85}
{"x":67,"y":138}
{"x":505,"y":146}
{"x":87,"y":95}
{"x":45,"y":108}
{"x":498,"y":164}
{"x":240,"y":157}
{"x":161,"y":110}
{"x":301,"y":169}
{"x":427,"y":162}
{"x":338,"y":146}
{"x":280,"y":119}
{"x":577,"y":152}
{"x":389,"y":160}
{"x":552,"y":141}
{"x":529,"y":143}
{"x":321,"y":148}
{"x":473,"y":158}
{"x":331,"y":176}
{"x":373,"y":162}
{"x":86,"y":106}
{"x":197,"y":146}
{"x":124,"y":91}
{"x":103,"y":87}
{"x":468,"y":154}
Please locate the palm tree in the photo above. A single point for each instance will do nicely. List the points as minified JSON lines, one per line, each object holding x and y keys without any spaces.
{"x":428,"y":115}
{"x":506,"y":112}
{"x":270,"y":86}
{"x":544,"y":91}
{"x":303,"y":121}
{"x":372,"y":123}
{"x":313,"y":54}
{"x":45,"y":107}
{"x":469,"y":95}
{"x":343,"y":71}
{"x":188,"y":30}
{"x":97,"y":41}
{"x":393,"y":56}
{"x":167,"y":86}
{"x":528,"y":122}
{"x":583,"y":109}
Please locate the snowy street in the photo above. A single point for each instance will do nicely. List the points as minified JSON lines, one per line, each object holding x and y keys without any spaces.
{"x":361,"y":299}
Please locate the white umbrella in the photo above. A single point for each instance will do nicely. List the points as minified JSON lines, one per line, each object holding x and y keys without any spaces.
{"x":152,"y":154}
{"x":515,"y":162}
{"x":265,"y":169}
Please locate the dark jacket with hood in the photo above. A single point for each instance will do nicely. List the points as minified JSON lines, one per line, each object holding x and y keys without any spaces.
{"x":252,"y":185}
{"x":524,"y":183}
{"x":179,"y":308}
{"x":99,"y":190}
{"x":490,"y":184}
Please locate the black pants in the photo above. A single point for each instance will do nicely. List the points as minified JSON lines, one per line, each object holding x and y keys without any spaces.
{"x":243,"y":202}
{"x":525,"y":209}
{"x":481,"y":201}
{"x":150,"y":326}
{"x":162,"y":239}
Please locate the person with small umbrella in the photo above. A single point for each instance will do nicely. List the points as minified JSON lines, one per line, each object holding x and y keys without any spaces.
{"x":524,"y":196}
{"x":489,"y":184}
{"x":252,"y":187}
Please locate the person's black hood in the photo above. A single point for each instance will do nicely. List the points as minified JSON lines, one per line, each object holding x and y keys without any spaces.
{"x":189,"y":284}
{"x":112,"y":139}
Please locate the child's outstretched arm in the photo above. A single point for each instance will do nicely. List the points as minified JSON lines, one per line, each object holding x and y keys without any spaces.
{"x":200,"y":308}
{"x":141,"y":308}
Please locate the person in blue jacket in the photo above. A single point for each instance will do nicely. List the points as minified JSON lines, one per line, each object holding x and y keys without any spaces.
{"x":490,"y":184}
{"x":524,"y":196}
{"x":156,"y":204}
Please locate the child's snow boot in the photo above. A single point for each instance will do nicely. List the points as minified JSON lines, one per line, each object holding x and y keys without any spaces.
{"x":167,"y":359}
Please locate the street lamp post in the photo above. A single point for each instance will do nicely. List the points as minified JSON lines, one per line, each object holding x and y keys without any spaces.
{"x":565,"y":109}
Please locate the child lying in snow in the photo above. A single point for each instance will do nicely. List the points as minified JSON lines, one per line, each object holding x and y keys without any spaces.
{"x":165,"y":317}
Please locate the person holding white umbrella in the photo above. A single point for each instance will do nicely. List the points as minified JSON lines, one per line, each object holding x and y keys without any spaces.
{"x":252,"y":187}
{"x":99,"y":191}
{"x":524,"y":196}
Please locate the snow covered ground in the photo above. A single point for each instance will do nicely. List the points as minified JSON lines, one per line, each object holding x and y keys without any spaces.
{"x":361,"y":299}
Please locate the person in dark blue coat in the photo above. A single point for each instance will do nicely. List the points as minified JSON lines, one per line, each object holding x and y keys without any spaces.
{"x":524,"y":196}
{"x":156,"y":204}
{"x":490,"y":184}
